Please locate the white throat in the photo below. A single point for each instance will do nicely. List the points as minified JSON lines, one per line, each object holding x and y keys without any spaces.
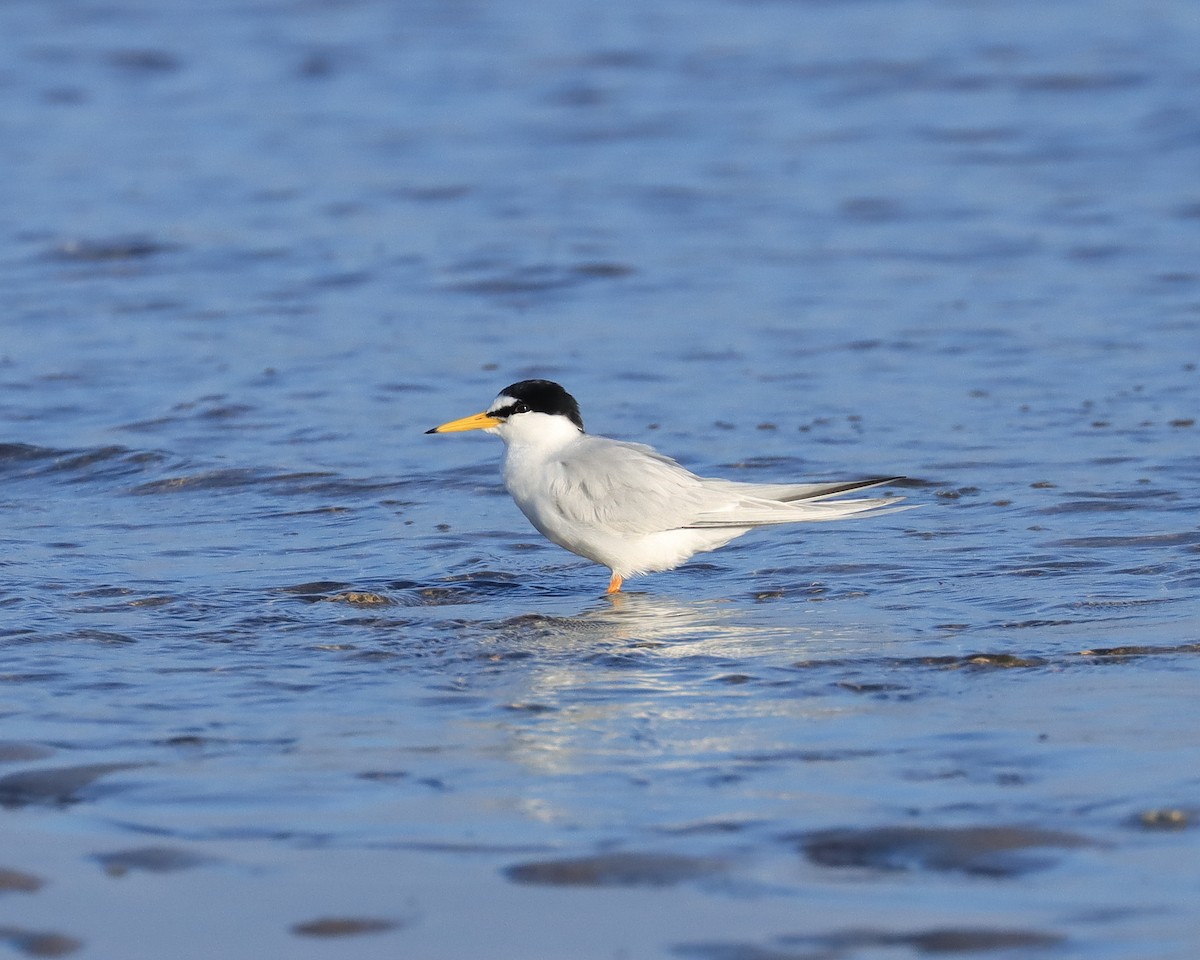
{"x":542,"y":432}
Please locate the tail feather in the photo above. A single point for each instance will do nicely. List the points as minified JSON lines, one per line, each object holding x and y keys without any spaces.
{"x":790,"y":492}
{"x":768,"y":504}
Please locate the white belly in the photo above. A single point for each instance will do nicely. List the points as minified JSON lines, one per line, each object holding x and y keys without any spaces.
{"x":532,"y":488}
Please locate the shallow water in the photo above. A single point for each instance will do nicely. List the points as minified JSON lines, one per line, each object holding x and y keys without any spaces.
{"x":280,"y":672}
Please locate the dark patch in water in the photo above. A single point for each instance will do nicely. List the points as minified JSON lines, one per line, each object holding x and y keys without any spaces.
{"x":615,"y":870}
{"x":144,"y":61}
{"x":55,"y":785}
{"x":230,"y":479}
{"x":541,"y":278}
{"x":977,"y":661}
{"x":1127,"y":653}
{"x":15,"y":880}
{"x":806,"y":756}
{"x":14,"y":751}
{"x":384,"y":776}
{"x":849,"y":943}
{"x":332,"y":281}
{"x":719,"y":827}
{"x":359,"y":598}
{"x":435,"y":193}
{"x":530,"y":708}
{"x":1182,"y":539}
{"x":980,"y":851}
{"x":317,"y":590}
{"x":344,"y":926}
{"x":39,"y":943}
{"x":100,"y":636}
{"x":476,"y":589}
{"x":872,"y":688}
{"x":150,"y":860}
{"x":1004,"y":661}
{"x":873,"y":210}
{"x":112,"y":248}
{"x":1079,"y":82}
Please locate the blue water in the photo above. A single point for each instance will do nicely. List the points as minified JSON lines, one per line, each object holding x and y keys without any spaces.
{"x":282,"y":675}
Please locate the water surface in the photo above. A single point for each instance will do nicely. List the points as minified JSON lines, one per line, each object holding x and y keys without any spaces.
{"x":283,"y":675}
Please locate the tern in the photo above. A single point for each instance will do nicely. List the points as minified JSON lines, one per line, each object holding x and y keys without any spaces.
{"x":625,"y":505}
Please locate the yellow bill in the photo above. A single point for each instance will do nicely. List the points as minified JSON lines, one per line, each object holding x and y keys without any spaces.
{"x":477,"y":421}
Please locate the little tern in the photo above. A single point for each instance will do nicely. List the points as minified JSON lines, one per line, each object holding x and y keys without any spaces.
{"x":625,"y":505}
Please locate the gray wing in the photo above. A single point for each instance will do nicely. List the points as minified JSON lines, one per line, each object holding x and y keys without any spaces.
{"x":630,"y":488}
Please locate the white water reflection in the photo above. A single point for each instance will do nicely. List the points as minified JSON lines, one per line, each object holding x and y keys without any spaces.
{"x":656,"y":683}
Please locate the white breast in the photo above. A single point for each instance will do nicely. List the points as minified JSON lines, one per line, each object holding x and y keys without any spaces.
{"x":618,"y":504}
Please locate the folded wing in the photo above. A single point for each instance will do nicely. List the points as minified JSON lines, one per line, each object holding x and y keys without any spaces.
{"x":629,"y":488}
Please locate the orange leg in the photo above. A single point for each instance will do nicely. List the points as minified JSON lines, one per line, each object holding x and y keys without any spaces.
{"x":614,"y":585}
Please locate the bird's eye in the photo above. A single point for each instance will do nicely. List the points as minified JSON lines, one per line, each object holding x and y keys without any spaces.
{"x":519,"y":407}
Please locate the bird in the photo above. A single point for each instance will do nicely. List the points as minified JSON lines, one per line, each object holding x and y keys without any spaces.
{"x":625,"y":505}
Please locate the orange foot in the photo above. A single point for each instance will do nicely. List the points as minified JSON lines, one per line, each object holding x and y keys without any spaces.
{"x":614,"y":585}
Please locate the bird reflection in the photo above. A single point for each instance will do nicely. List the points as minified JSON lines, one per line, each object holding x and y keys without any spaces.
{"x":632,"y":677}
{"x":625,"y":620}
